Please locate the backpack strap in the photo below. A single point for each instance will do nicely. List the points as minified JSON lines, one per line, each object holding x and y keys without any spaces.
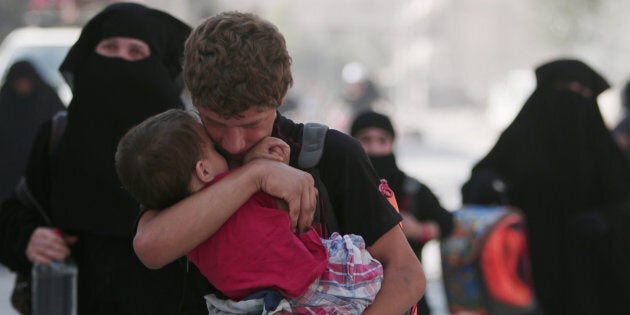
{"x":313,"y":138}
{"x":22,"y":191}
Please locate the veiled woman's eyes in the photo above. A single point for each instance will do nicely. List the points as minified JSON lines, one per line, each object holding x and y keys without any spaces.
{"x":109,"y":46}
{"x":138,"y":52}
{"x":127,"y":48}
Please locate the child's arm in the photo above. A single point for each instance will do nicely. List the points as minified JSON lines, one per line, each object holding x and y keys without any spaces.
{"x":269,"y":148}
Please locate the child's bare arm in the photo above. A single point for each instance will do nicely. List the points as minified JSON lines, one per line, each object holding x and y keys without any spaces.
{"x":270,"y":148}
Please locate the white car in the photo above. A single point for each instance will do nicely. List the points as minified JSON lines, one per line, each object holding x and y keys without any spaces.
{"x":45,"y":47}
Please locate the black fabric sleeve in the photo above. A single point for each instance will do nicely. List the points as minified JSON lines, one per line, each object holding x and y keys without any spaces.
{"x":18,"y":221}
{"x":428,"y":208}
{"x":352,"y":185}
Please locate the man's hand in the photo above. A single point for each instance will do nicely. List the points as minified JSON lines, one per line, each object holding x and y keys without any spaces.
{"x":292,"y":185}
{"x":48,"y":244}
{"x":269,"y":148}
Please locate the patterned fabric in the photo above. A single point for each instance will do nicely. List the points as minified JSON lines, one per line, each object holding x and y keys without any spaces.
{"x":347,"y":286}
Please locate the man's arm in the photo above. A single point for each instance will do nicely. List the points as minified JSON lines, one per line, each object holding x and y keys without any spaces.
{"x":163,"y":236}
{"x":404,"y":282}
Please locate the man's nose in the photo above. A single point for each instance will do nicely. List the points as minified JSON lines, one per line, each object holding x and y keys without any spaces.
{"x":233,"y":142}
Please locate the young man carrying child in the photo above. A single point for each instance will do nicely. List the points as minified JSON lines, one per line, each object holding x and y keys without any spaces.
{"x":237,"y":69}
{"x":169,"y":156}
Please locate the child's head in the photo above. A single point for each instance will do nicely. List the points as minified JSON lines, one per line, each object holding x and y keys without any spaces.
{"x":160,"y":160}
{"x":235,"y":61}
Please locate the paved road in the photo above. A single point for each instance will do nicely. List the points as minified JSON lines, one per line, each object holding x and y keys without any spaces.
{"x":6,"y":286}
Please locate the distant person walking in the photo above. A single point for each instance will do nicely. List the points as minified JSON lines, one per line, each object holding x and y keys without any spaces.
{"x":424,"y":218}
{"x":565,"y":172}
{"x":26,"y":101}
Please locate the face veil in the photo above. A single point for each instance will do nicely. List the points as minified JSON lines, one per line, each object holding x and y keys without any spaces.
{"x":110,"y":95}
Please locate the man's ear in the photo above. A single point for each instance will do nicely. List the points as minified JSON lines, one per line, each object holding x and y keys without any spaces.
{"x":203,"y":172}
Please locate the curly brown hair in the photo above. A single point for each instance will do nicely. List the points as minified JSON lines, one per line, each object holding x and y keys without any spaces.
{"x":234,"y":61}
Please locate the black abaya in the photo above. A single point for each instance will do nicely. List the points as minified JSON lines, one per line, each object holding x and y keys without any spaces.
{"x":567,"y":175}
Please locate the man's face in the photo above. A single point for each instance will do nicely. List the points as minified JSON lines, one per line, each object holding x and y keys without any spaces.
{"x":235,"y":136}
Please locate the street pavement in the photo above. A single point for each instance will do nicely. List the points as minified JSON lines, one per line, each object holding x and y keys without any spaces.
{"x":6,"y":287}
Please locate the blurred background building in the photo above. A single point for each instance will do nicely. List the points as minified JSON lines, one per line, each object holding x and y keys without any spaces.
{"x":418,"y":53}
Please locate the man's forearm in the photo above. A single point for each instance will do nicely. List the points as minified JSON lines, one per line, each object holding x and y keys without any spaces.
{"x":399,"y":292}
{"x":404,"y":282}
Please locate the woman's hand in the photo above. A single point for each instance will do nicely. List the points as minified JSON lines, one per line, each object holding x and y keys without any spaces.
{"x":48,"y":244}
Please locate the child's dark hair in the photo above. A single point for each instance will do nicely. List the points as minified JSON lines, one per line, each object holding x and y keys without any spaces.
{"x":156,"y":159}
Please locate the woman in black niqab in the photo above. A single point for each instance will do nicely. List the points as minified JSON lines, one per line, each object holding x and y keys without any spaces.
{"x":110,"y":95}
{"x":26,"y":101}
{"x":567,"y":175}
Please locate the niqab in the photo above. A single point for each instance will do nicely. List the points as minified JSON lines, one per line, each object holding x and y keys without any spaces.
{"x":560,"y":140}
{"x":110,"y":96}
